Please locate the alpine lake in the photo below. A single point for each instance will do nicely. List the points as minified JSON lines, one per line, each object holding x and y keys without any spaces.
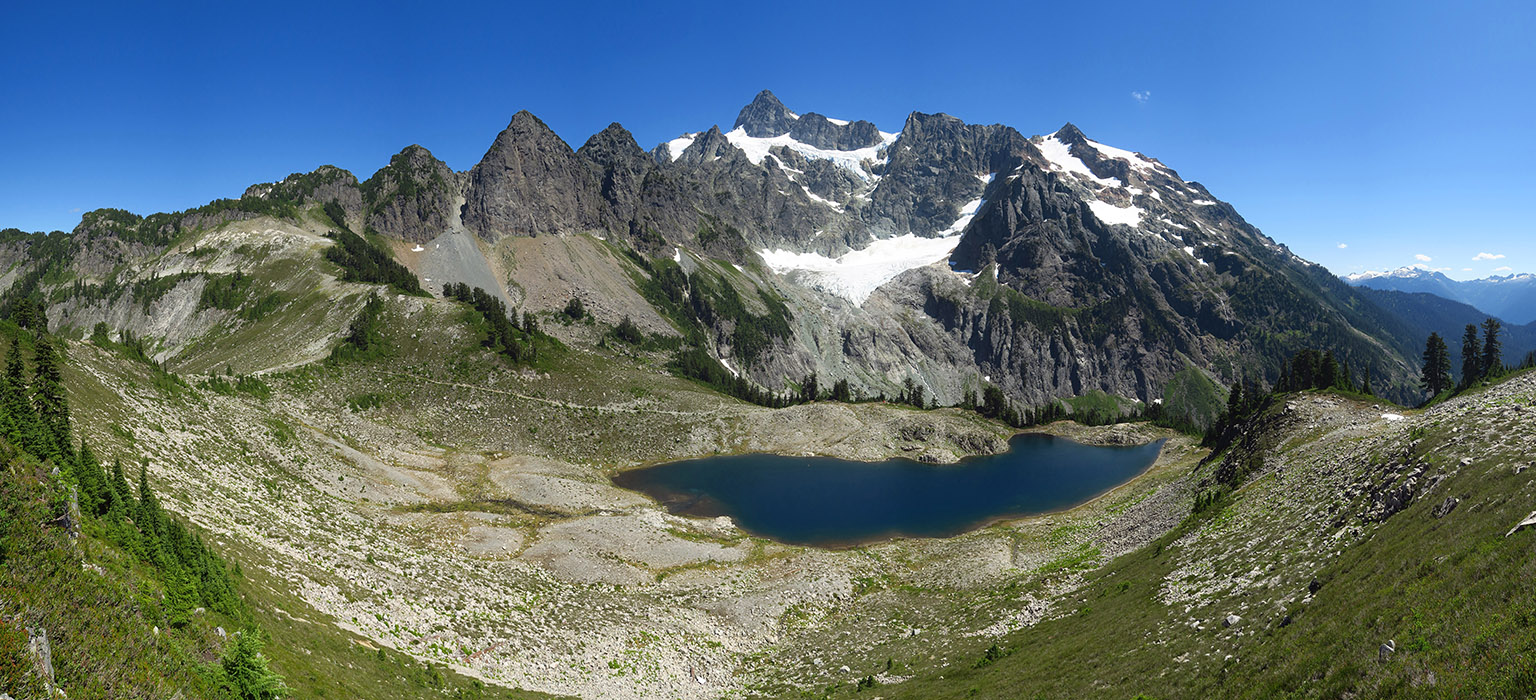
{"x":836,"y":503}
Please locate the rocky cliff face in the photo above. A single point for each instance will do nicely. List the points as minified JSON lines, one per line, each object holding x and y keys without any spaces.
{"x":530,"y":182}
{"x":622,"y":167}
{"x":412,"y":198}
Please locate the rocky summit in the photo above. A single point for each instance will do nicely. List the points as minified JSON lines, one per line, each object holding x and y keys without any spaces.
{"x":357,"y":438}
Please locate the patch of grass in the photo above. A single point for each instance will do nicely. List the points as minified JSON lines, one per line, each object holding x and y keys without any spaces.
{"x":366,"y":400}
{"x":241,"y":384}
{"x":281,"y":431}
{"x":1191,"y":402}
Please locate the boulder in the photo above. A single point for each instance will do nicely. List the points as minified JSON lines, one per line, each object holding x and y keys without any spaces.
{"x":42,"y":653}
{"x":1523,"y":524}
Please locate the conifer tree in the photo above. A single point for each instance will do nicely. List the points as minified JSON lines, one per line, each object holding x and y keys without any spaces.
{"x":809,"y":389}
{"x":1471,"y":357}
{"x":245,"y":669}
{"x":1328,"y":372}
{"x":18,"y":408}
{"x":50,"y":400}
{"x":1437,"y":365}
{"x":120,"y":483}
{"x":147,"y":517}
{"x":94,"y":490}
{"x":1493,"y":349}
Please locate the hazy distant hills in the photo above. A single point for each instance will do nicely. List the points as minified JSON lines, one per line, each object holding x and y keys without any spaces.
{"x":1510,"y":297}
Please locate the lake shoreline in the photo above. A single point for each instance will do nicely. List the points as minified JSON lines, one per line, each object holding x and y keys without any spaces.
{"x":830,"y":502}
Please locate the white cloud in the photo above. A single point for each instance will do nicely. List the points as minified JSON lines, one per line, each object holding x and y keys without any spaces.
{"x":1422,"y":257}
{"x":1141,"y":96}
{"x":1466,"y":269}
{"x":1504,"y":268}
{"x":1488,"y":256}
{"x":1342,"y":246}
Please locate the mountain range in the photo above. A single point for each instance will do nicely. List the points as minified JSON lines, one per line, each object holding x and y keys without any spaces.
{"x":1510,"y":297}
{"x":946,"y":254}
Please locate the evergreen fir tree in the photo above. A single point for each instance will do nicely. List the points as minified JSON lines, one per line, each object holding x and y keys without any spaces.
{"x":809,"y":389}
{"x":1437,"y":365}
{"x":1471,"y":357}
{"x":1493,"y":349}
{"x":148,"y":517}
{"x":1328,"y":375}
{"x":245,"y":669}
{"x":18,"y":408}
{"x":95,"y":492}
{"x":120,"y":483}
{"x":50,"y":400}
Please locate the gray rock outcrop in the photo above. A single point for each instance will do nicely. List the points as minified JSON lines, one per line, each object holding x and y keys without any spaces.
{"x":530,"y":182}
{"x":412,"y":198}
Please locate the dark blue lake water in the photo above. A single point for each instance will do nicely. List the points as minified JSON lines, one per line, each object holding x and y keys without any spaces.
{"x":829,"y":502}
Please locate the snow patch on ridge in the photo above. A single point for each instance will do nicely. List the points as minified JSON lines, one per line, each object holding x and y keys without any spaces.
{"x":757,"y":149}
{"x":676,"y":146}
{"x":1136,"y":160}
{"x":857,"y":274}
{"x":967,"y":213}
{"x":1111,"y":214}
{"x":1061,"y":158}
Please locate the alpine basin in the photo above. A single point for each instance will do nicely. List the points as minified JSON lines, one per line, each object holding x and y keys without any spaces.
{"x":827,"y":502}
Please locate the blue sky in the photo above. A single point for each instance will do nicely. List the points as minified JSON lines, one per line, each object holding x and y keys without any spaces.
{"x":1397,"y":129}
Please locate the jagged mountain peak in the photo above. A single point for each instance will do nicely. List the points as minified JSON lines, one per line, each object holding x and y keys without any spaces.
{"x":765,"y":116}
{"x":708,"y":146}
{"x":614,"y":138}
{"x":526,"y":128}
{"x":1070,"y":134}
{"x":917,"y":121}
{"x":529,"y":182}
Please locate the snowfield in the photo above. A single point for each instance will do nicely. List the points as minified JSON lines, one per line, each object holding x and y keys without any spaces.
{"x":852,"y":161}
{"x":1061,"y":158}
{"x":676,"y":146}
{"x":1111,"y":214}
{"x":857,"y":274}
{"x":1134,"y":159}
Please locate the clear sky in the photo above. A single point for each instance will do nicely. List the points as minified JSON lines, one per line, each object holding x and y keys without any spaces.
{"x":1361,"y":134}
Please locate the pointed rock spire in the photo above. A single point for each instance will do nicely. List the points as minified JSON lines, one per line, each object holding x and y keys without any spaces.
{"x":530,"y":182}
{"x":765,"y":117}
{"x":1070,"y":134}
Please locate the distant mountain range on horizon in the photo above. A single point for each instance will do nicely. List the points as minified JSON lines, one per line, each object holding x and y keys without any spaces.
{"x":1511,"y":298}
